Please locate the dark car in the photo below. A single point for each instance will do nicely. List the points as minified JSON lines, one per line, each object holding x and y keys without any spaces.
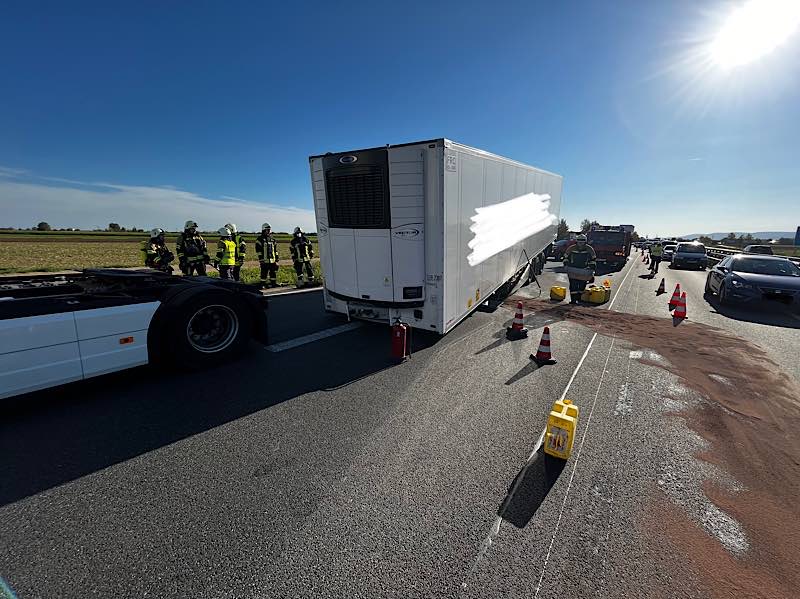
{"x":559,"y":247}
{"x":689,"y":255}
{"x":747,"y":278}
{"x":758,"y":249}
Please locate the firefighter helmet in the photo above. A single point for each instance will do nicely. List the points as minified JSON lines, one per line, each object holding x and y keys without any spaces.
{"x":265,"y":226}
{"x":224,"y":232}
{"x":297,"y":230}
{"x":231,"y":227}
{"x":190,"y":224}
{"x":581,"y":238}
{"x":156,"y":232}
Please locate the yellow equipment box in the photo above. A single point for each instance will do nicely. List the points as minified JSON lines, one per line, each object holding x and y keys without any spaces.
{"x":596,"y":295}
{"x":558,"y":293}
{"x":561,"y":426}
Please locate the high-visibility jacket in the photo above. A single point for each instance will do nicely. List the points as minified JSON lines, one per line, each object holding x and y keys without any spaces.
{"x":656,"y":250}
{"x":191,"y":248}
{"x":580,"y":257}
{"x":267,"y":249}
{"x":241,"y":248}
{"x":301,"y":249}
{"x":226,"y":252}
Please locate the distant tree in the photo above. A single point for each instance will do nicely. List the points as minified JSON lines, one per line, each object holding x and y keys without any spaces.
{"x":43,"y":226}
{"x":749,"y":237}
{"x":113,"y":227}
{"x":705,"y":240}
{"x":563,"y":229}
{"x":786,"y":241}
{"x":635,"y":236}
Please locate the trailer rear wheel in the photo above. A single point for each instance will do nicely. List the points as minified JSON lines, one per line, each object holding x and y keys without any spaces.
{"x":207,"y":328}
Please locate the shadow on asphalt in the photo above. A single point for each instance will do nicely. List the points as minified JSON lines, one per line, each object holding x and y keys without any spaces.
{"x":770,"y":313}
{"x":529,"y":489}
{"x":54,"y":436}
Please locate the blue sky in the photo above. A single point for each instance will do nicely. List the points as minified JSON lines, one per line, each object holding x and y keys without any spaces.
{"x":142,"y":112}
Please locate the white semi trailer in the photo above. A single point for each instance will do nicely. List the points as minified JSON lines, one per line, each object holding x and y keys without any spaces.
{"x":427,"y":231}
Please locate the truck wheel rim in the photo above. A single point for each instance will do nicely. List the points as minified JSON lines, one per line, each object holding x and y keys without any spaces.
{"x":212,"y":329}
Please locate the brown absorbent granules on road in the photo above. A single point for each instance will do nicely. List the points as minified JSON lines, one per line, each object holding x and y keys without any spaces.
{"x":752,"y":422}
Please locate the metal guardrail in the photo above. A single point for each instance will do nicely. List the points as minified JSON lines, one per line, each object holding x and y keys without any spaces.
{"x":718,"y":253}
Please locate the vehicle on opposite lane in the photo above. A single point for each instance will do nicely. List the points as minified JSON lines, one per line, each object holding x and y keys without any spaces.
{"x":749,"y":278}
{"x":758,"y":249}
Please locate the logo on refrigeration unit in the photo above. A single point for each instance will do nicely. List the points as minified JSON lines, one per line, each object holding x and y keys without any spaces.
{"x":348,"y":159}
{"x":408,"y":233}
{"x":323,"y":230}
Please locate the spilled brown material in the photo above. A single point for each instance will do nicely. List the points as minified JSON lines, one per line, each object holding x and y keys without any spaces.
{"x":751,"y":420}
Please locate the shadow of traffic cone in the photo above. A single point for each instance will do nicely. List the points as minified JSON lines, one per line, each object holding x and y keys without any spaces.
{"x":543,"y":355}
{"x":661,"y":289}
{"x":680,"y":309}
{"x":676,"y":297}
{"x":517,"y":330}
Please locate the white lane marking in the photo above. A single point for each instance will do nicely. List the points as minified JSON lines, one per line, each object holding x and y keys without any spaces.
{"x":498,"y":521}
{"x":574,"y":467}
{"x":495,"y":529}
{"x":591,"y":341}
{"x":292,"y":343}
{"x":627,"y":402}
{"x":585,"y":430}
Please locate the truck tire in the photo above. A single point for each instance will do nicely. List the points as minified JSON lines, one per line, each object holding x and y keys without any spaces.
{"x":206,"y":327}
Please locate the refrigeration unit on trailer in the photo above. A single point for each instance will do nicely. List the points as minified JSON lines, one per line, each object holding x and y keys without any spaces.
{"x":427,"y":231}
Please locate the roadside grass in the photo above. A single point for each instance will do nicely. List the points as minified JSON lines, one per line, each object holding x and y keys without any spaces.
{"x":286,"y":275}
{"x":65,"y":253}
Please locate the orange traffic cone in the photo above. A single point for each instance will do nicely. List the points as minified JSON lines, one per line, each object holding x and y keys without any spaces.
{"x":680,"y":309}
{"x":676,"y":296}
{"x":517,"y":330}
{"x":543,"y":355}
{"x":661,"y":289}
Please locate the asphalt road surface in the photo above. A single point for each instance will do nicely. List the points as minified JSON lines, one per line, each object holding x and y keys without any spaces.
{"x":323,"y":470}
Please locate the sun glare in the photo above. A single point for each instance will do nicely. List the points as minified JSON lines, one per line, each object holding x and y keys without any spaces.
{"x":754,"y":30}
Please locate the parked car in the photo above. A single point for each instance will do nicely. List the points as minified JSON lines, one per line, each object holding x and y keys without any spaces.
{"x":748,"y":278}
{"x":690,"y":255}
{"x":668,"y":251}
{"x":559,"y":247}
{"x":758,"y":249}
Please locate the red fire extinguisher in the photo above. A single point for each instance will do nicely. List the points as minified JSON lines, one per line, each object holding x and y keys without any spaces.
{"x":401,"y":341}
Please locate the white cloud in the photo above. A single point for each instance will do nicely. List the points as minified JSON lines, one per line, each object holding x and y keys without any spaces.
{"x":68,"y":203}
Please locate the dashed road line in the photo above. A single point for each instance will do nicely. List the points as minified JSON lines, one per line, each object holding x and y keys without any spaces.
{"x":292,"y":343}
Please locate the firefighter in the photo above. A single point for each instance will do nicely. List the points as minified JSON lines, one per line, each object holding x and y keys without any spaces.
{"x":226,"y":254}
{"x":579,"y":255}
{"x":267,"y":252}
{"x":656,"y":252}
{"x":241,"y":249}
{"x":192,"y":250}
{"x":302,"y":253}
{"x":155,"y":253}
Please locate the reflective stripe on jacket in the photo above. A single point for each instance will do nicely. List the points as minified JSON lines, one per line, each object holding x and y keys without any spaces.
{"x":580,"y":258}
{"x":267,"y":249}
{"x":148,"y":253}
{"x":241,"y":248}
{"x":301,"y":249}
{"x":226,"y":252}
{"x":191,"y":248}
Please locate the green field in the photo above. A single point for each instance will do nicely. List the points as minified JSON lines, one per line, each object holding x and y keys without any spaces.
{"x":51,"y":251}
